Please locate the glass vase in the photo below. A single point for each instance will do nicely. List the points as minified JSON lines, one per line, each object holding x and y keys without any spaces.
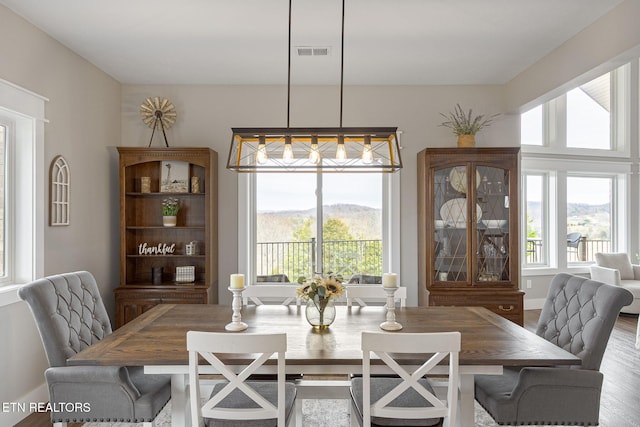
{"x":320,"y":314}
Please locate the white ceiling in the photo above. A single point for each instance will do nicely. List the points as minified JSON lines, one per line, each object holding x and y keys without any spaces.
{"x":392,"y":42}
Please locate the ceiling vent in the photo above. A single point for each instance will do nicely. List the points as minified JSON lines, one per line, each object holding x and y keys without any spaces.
{"x":313,"y":50}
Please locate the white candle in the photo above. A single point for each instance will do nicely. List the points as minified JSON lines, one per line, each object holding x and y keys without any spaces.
{"x":390,"y":280}
{"x":237,"y":281}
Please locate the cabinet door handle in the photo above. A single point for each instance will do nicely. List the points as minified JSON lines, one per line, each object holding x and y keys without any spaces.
{"x":503,"y":308}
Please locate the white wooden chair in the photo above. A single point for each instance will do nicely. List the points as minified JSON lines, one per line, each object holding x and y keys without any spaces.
{"x":238,"y":400}
{"x":362,"y":293}
{"x":255,"y":294}
{"x":405,"y":399}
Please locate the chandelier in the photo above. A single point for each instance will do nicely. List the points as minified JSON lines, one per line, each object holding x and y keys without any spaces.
{"x":322,"y":149}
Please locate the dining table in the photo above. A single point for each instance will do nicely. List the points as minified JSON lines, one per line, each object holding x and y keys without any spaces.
{"x":156,"y":340}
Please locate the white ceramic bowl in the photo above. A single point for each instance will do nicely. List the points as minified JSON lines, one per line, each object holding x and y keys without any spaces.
{"x":494,"y":223}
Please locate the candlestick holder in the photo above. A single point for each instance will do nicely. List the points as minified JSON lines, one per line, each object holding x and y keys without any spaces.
{"x":236,"y":319}
{"x":390,"y":324}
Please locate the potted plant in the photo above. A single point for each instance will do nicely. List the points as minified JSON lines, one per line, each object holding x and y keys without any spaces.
{"x":465,"y":125}
{"x":170,"y":208}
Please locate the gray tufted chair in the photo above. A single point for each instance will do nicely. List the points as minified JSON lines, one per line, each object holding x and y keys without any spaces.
{"x":71,"y":316}
{"x":578,"y":315}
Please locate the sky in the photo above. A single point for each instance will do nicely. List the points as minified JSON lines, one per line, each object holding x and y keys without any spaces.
{"x":296,"y":191}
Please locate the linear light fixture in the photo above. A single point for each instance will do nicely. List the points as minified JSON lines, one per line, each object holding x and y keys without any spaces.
{"x":340,"y":149}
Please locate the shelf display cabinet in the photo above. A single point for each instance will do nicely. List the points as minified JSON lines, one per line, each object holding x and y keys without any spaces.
{"x":468,"y":229}
{"x":165,"y":261}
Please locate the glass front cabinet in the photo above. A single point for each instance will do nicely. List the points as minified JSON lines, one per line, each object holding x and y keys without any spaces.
{"x":468,"y":229}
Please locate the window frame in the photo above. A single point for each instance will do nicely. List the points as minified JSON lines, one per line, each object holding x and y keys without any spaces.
{"x":247,"y":223}
{"x":25,"y":110}
{"x":557,"y":171}
{"x":554,"y":121}
{"x":9,"y":200}
{"x":558,"y":161}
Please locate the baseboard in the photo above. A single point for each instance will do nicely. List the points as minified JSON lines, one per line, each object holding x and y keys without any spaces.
{"x":533,"y":303}
{"x":23,"y":407}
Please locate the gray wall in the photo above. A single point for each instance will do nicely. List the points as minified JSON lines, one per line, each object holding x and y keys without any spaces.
{"x":84,"y":115}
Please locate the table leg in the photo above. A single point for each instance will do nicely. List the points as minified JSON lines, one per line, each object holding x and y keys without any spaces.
{"x":638,"y":335}
{"x":466,"y":407}
{"x":179,"y":400}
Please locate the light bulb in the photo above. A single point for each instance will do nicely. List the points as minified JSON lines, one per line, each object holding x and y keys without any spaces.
{"x":261,"y":154}
{"x":314,"y":154}
{"x":341,"y":152}
{"x":287,"y":154}
{"x":367,"y":153}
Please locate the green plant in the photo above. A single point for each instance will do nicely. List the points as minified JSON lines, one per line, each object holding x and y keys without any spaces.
{"x":170,"y":207}
{"x":464,"y":123}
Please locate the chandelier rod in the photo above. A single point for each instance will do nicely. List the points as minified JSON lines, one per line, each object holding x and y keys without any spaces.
{"x":342,"y":63}
{"x":289,"y":69}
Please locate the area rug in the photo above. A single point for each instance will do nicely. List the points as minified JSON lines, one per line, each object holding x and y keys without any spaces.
{"x":315,"y":413}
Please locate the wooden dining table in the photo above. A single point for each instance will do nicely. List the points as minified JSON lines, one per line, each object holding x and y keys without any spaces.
{"x":157,"y":341}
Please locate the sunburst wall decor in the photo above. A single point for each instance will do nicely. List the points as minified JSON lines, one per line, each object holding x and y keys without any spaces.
{"x":156,"y":112}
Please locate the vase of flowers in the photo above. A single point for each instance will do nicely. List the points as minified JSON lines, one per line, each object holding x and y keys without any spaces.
{"x":170,"y":208}
{"x":320,"y":294}
{"x":465,"y":125}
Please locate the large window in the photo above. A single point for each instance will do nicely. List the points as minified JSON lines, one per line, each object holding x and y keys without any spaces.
{"x":575,"y":164}
{"x":318,"y":223}
{"x":4,"y":196}
{"x":22,"y":192}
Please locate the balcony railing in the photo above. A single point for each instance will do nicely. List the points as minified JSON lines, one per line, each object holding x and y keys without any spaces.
{"x":584,"y":252}
{"x":295,"y":259}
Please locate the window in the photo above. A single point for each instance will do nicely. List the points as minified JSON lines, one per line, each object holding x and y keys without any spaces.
{"x":589,"y":214}
{"x":289,"y":240}
{"x":22,"y":187}
{"x":575,"y":162}
{"x":588,"y":115}
{"x":536,"y":246}
{"x":531,"y":127}
{"x":4,"y":197}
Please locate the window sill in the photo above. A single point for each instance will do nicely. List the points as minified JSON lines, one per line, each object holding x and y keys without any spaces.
{"x":9,"y":295}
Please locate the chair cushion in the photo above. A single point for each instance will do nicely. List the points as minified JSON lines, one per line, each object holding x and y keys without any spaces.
{"x":618,"y":261}
{"x":409,"y":399}
{"x":237,"y":399}
{"x":493,"y":392}
{"x":155,"y":392}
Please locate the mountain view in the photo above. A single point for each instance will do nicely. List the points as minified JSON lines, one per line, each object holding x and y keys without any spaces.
{"x":363,"y":222}
{"x":593,"y":221}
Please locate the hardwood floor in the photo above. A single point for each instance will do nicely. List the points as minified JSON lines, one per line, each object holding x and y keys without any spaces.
{"x":620,"y":400}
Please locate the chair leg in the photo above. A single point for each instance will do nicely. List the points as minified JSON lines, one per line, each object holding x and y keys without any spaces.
{"x":355,"y":421}
{"x":148,"y":424}
{"x":293,"y":419}
{"x":59,"y":424}
{"x":298,"y":412}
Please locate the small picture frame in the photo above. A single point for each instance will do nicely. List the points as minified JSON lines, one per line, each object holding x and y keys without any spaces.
{"x":174,"y":177}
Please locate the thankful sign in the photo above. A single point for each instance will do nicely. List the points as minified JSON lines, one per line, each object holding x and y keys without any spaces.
{"x":159,"y":249}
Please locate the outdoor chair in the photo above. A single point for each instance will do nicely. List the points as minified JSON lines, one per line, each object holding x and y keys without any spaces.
{"x":360,"y":294}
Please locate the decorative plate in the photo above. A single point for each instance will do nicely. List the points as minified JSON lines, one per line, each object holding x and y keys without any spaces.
{"x":454,"y":213}
{"x":458,"y":179}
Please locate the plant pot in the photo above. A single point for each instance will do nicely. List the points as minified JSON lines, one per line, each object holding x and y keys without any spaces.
{"x":320,"y":315}
{"x":466,"y":140}
{"x":169,"y":221}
